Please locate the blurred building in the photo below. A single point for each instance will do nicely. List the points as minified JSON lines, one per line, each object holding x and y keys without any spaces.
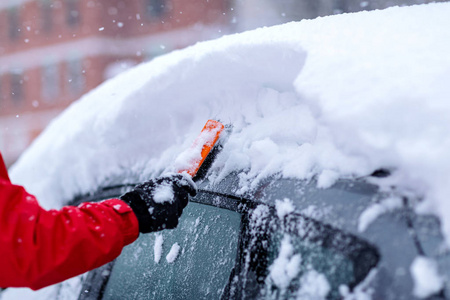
{"x":54,"y":51}
{"x":251,"y":14}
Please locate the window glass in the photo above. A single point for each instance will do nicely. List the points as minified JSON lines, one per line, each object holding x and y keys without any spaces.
{"x":75,"y":76}
{"x":154,"y":8}
{"x":16,"y":78}
{"x":312,"y":260}
{"x":193,"y":261}
{"x":303,"y":263}
{"x":47,"y":16}
{"x":50,"y":81}
{"x":14,"y":23}
{"x":72,"y":12}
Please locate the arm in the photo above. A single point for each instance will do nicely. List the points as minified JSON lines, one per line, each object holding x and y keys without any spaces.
{"x":40,"y":247}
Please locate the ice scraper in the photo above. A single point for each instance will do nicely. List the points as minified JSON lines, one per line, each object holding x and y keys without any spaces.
{"x":192,"y":159}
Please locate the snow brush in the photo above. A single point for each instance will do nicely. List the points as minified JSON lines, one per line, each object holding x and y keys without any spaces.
{"x":202,"y":148}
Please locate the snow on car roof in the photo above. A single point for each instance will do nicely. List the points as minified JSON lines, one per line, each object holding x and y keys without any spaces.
{"x":333,"y":97}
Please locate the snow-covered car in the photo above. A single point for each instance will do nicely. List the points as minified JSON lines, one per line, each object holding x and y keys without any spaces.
{"x":260,"y":245}
{"x":332,"y":182}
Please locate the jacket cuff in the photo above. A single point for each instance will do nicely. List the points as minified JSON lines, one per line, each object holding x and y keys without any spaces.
{"x":130,"y":225}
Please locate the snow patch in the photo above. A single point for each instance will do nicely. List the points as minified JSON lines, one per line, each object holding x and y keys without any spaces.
{"x":315,"y":212}
{"x":157,"y":248}
{"x":173,"y":253}
{"x":284,"y":208}
{"x":371,"y":213}
{"x":427,"y":280}
{"x":327,"y":178}
{"x":313,"y":286}
{"x":258,"y":215}
{"x":118,"y":67}
{"x":163,"y":193}
{"x":286,"y":266}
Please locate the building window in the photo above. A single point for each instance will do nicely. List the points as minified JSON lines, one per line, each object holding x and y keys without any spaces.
{"x":46,"y":15}
{"x":155,"y":8}
{"x":75,"y":76}
{"x":72,"y":12}
{"x":14,"y":23}
{"x":50,"y":82}
{"x":17,"y":90}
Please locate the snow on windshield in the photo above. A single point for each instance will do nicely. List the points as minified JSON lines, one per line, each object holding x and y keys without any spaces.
{"x":333,"y":97}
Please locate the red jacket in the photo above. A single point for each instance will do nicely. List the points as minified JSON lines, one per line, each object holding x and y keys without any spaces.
{"x":41,"y":247}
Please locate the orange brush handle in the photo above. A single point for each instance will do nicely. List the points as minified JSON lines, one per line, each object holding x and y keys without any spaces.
{"x":208,"y":137}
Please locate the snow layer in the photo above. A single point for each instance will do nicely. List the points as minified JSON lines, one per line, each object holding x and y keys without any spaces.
{"x":335,"y":97}
{"x":284,"y":208}
{"x":377,"y":209}
{"x":427,"y":280}
{"x":157,"y":248}
{"x":163,"y":193}
{"x":314,"y":286}
{"x":173,"y":253}
{"x":286,"y":266}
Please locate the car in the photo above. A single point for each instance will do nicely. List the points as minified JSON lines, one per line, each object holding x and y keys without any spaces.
{"x":286,"y":239}
{"x":330,"y":182}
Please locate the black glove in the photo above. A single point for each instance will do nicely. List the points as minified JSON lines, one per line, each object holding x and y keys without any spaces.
{"x":158,"y":203}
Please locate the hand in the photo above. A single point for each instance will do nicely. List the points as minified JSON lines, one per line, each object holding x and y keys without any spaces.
{"x":158,"y":203}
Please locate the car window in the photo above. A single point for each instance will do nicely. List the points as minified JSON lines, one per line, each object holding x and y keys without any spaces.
{"x":193,"y":261}
{"x":298,"y":257}
{"x":320,"y":260}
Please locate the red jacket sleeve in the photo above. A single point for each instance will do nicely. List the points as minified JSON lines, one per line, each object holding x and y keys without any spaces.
{"x":39,"y":247}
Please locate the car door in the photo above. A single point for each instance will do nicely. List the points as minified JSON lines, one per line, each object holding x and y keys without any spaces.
{"x":296,"y":257}
{"x":193,"y":261}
